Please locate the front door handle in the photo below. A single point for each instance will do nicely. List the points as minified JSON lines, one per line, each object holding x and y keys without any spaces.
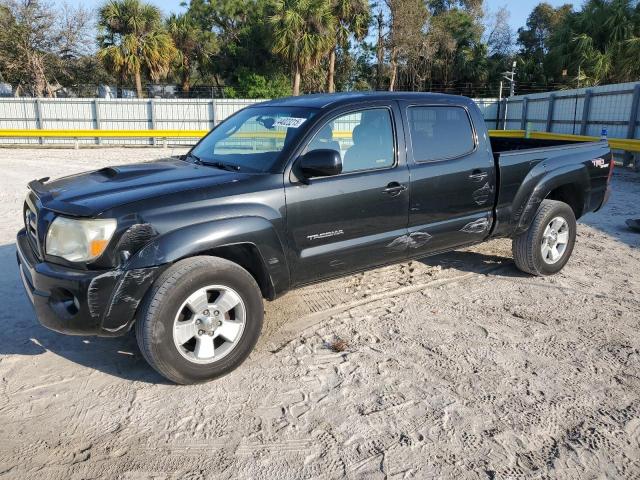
{"x":478,"y":176}
{"x":394,"y":189}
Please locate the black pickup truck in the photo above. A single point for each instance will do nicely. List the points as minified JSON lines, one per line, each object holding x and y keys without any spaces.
{"x":286,"y":193}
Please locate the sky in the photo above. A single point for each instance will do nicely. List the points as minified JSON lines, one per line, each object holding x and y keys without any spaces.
{"x":519,"y":9}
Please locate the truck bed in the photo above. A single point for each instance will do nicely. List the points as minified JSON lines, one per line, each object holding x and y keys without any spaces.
{"x":503,"y":145}
{"x":522,"y":163}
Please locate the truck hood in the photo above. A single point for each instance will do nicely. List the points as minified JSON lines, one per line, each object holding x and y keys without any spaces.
{"x":88,"y":194}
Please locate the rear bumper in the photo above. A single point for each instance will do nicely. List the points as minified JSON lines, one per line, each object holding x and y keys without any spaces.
{"x":82,"y":302}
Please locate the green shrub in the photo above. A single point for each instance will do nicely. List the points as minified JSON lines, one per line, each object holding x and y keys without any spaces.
{"x":254,"y":85}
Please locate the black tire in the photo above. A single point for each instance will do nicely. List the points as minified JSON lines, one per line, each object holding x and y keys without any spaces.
{"x":527,"y":247}
{"x":156,"y":315}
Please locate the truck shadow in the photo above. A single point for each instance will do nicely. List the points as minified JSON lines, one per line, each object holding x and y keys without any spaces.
{"x":23,"y":335}
{"x":120,"y":357}
{"x":475,"y":262}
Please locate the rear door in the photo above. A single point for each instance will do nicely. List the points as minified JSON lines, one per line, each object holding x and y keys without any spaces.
{"x":453,"y":181}
{"x":350,"y":222}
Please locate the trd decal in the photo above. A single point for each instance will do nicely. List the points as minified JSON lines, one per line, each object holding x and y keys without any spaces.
{"x":320,"y":236}
{"x":600,"y":163}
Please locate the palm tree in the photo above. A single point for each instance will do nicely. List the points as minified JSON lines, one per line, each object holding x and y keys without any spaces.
{"x":304,"y":31}
{"x":194,"y":46}
{"x":132,"y":40}
{"x":351,"y":17}
{"x":630,"y":70}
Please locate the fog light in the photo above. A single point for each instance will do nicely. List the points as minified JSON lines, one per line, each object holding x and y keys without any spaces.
{"x":64,"y":303}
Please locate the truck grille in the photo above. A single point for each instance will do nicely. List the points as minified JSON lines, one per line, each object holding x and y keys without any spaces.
{"x":31,"y":225}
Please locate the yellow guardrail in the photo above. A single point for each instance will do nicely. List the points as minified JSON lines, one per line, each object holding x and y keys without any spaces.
{"x":34,"y":133}
{"x":507,"y":133}
{"x":629,"y":145}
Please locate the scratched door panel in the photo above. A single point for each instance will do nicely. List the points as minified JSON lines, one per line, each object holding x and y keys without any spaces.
{"x":453,"y":181}
{"x":345,"y":223}
{"x":351,"y":221}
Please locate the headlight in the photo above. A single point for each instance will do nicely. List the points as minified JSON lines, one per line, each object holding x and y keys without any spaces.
{"x":79,"y":240}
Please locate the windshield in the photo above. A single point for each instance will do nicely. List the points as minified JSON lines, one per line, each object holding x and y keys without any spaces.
{"x":253,"y":139}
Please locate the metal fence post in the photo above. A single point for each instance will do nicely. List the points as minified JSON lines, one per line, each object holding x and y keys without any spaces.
{"x":212,"y":113}
{"x":505,"y":112}
{"x":39,"y":119}
{"x":552,"y":101}
{"x":152,"y":118}
{"x":525,"y":108}
{"x":586,"y":109}
{"x":633,"y":120}
{"x":96,"y":119}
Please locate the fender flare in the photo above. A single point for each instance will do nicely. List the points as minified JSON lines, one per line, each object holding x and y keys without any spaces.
{"x":541,"y":185}
{"x":256,"y":232}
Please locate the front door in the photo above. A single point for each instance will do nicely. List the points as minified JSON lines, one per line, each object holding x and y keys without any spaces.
{"x":351,"y":221}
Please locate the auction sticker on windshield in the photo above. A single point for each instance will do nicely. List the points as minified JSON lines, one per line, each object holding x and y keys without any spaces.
{"x":292,"y":122}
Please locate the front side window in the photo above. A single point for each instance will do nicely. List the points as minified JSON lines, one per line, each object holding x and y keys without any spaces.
{"x":438,"y":133}
{"x":364,"y":139}
{"x":254,"y":138}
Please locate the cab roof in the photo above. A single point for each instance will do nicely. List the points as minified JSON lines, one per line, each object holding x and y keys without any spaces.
{"x":326,"y":100}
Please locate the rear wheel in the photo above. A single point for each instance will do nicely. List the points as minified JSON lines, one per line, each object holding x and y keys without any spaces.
{"x":200,"y":320}
{"x":545,"y":248}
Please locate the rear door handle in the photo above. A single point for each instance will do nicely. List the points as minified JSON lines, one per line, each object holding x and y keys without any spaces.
{"x":394,"y":189}
{"x":478,"y":175}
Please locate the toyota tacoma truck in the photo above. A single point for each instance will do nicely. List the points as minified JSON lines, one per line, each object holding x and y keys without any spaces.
{"x":286,"y":193}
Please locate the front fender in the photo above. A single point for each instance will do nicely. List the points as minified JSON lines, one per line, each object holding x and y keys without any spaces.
{"x":202,"y":237}
{"x":537,"y":186}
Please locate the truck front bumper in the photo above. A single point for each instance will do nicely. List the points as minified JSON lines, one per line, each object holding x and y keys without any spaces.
{"x":82,"y":302}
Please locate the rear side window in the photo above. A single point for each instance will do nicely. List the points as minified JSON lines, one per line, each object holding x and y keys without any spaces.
{"x":438,"y":133}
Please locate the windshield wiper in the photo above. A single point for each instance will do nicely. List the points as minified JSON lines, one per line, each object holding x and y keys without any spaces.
{"x":217,"y":164}
{"x":223,"y":166}
{"x":195,"y":157}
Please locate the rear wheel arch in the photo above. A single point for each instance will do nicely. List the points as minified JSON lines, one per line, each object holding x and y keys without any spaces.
{"x":570,"y":193}
{"x":568,"y":184}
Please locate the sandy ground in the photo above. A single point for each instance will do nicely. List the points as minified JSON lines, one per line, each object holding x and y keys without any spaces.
{"x":457,"y":366}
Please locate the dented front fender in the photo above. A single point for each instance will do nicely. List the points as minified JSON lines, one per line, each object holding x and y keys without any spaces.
{"x":203,"y":237}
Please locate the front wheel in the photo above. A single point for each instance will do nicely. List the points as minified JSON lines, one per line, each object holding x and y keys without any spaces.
{"x":200,"y":320}
{"x":545,"y":248}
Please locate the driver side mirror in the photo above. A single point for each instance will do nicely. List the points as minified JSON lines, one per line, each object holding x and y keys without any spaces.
{"x":321,"y":163}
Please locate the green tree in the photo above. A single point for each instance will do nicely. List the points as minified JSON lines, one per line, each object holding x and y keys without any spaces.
{"x":244,"y":35}
{"x":304,"y":32}
{"x":351,"y":17}
{"x":438,"y":7}
{"x":597,"y":44}
{"x":253,"y":85}
{"x":542,"y":23}
{"x":407,"y":22}
{"x":133,"y":41}
{"x":535,"y":40}
{"x":457,"y":36}
{"x":40,"y":46}
{"x":195,"y":47}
